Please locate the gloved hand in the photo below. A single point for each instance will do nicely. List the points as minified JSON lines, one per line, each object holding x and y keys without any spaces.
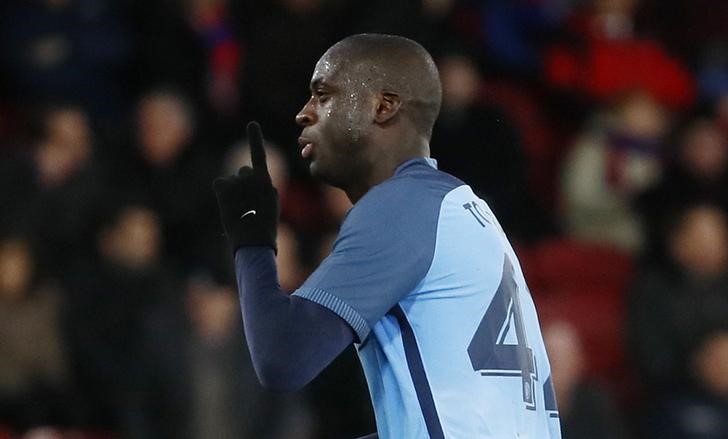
{"x":248,"y":201}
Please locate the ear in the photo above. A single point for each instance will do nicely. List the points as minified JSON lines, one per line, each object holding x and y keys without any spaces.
{"x":388,"y":105}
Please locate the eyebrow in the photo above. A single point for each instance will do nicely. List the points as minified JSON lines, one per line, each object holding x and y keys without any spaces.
{"x":318,"y":82}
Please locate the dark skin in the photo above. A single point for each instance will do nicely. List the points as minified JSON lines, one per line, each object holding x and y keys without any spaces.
{"x":356,"y":129}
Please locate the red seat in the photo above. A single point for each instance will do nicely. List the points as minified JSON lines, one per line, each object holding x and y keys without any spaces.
{"x":584,"y":285}
{"x":565,"y":263}
{"x":597,"y":313}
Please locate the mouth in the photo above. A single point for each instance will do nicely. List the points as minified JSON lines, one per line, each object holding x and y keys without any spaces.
{"x":306,"y":147}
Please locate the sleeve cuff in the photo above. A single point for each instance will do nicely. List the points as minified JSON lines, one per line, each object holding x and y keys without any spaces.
{"x":338,"y":306}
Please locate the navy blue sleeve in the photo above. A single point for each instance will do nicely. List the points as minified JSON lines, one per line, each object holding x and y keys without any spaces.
{"x":291,"y":339}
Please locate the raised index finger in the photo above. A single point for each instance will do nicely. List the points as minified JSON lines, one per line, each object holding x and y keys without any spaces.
{"x":257,"y":151}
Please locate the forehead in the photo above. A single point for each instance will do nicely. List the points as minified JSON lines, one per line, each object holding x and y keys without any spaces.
{"x":339,"y":67}
{"x":329,"y":67}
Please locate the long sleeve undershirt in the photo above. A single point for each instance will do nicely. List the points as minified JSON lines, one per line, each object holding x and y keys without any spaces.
{"x":291,"y":339}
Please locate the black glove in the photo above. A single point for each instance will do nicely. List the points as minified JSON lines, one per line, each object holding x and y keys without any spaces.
{"x":248,"y":201}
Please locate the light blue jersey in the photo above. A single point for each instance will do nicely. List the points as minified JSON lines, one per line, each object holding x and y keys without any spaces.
{"x":447,"y":331}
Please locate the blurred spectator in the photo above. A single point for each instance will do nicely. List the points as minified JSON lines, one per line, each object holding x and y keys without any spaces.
{"x":108,"y":296}
{"x":193,"y":46}
{"x":617,"y":157}
{"x":697,"y":172}
{"x":75,"y":50}
{"x":33,"y":367}
{"x":701,"y":412}
{"x":604,"y":59}
{"x":165,"y":125}
{"x":585,"y":409}
{"x":671,"y":306}
{"x":477,"y":144}
{"x":55,"y":191}
{"x":66,"y":146}
{"x":194,"y":378}
{"x":168,"y":165}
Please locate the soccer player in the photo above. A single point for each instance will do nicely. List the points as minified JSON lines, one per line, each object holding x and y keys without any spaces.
{"x":421,"y":277}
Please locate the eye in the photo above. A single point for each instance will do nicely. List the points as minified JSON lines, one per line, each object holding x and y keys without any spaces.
{"x":321,"y":95}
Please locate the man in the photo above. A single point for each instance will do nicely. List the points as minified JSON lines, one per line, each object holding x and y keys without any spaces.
{"x":421,"y":277}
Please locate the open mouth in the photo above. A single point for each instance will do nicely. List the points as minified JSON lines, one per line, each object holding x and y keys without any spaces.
{"x":307,"y":147}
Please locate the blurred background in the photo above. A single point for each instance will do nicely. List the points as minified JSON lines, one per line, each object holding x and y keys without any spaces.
{"x":596,"y":129}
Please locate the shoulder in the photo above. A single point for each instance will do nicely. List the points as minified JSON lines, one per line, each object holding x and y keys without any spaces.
{"x":403,"y":209}
{"x":417,"y":188}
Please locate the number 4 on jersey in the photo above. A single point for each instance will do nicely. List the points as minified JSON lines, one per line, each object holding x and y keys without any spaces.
{"x":490,"y":352}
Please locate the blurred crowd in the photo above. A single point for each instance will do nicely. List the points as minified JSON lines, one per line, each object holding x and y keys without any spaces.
{"x":597,"y":130}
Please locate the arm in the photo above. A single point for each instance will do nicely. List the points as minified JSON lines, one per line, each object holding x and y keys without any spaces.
{"x":291,"y":339}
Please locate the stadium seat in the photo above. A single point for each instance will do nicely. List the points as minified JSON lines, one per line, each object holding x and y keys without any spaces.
{"x":558,"y":263}
{"x":584,"y":285}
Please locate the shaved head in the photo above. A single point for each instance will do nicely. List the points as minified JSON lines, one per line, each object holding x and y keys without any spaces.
{"x":374,"y":100}
{"x":394,"y":64}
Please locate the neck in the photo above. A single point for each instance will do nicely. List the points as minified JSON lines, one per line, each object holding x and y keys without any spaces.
{"x":381,"y":171}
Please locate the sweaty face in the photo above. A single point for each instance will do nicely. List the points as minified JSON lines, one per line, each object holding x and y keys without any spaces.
{"x":336,"y":121}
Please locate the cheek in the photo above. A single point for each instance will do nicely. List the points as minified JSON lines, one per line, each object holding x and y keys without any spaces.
{"x":336,"y":125}
{"x":357,"y":116}
{"x":345,"y":115}
{"x":343,"y":125}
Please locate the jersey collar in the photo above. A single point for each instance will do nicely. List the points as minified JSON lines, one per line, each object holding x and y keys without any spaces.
{"x":429,"y":161}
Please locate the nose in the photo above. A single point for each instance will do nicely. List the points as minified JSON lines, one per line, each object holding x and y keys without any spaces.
{"x":307,"y":116}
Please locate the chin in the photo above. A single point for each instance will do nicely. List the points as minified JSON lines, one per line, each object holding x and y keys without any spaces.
{"x":316,"y":172}
{"x":313,"y":168}
{"x":322,"y":175}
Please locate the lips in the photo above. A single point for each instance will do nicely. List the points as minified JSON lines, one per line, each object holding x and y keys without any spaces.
{"x":307,"y":147}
